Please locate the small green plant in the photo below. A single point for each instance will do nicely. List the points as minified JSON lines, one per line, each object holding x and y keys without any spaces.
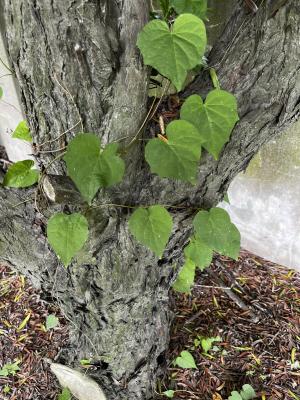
{"x":84,"y":362}
{"x":51,"y":322}
{"x":206,"y":343}
{"x":169,"y":393}
{"x":247,"y":393}
{"x":65,"y":394}
{"x":6,"y":389}
{"x":185,"y":360}
{"x":10,"y":369}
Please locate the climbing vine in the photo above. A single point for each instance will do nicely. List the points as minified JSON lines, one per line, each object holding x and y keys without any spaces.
{"x":178,"y":32}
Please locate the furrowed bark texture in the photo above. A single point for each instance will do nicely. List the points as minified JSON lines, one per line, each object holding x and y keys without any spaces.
{"x":77,"y":65}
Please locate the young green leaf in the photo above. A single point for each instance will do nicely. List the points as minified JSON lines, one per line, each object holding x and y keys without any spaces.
{"x":10,"y":369}
{"x":65,"y":395}
{"x":22,"y":132}
{"x":21,"y":175}
{"x":207,"y":343}
{"x":90,"y":167}
{"x":199,"y":253}
{"x":215,"y":229}
{"x":214,"y":119}
{"x":226,"y":198}
{"x":51,"y":322}
{"x":247,"y":392}
{"x":185,"y":360}
{"x":178,"y":156}
{"x":196,"y":7}
{"x":67,"y":235}
{"x":169,"y":393}
{"x":173,"y":52}
{"x":185,"y":278}
{"x":152,"y":227}
{"x":6,"y":389}
{"x":85,"y":361}
{"x":235,"y":396}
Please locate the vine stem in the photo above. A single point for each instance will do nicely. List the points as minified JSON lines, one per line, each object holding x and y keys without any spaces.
{"x":150,"y":114}
{"x":22,"y":202}
{"x":5,"y":75}
{"x":72,"y":98}
{"x":58,"y":137}
{"x":143,"y":124}
{"x":141,"y":206}
{"x":52,"y":151}
{"x":235,"y":36}
{"x":6,"y":66}
{"x":11,"y":105}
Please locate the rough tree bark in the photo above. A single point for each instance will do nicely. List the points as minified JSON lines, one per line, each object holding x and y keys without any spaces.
{"x":77,"y":64}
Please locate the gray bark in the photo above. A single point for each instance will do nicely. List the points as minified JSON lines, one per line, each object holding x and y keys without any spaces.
{"x":77,"y":63}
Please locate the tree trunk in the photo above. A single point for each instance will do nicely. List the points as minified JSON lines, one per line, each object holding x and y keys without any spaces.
{"x":79,"y":70}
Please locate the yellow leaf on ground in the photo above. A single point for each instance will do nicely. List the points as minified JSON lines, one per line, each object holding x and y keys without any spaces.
{"x":24,"y":322}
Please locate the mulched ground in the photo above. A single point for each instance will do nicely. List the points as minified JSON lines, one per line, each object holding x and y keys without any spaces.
{"x":27,"y":342}
{"x":259,"y":326}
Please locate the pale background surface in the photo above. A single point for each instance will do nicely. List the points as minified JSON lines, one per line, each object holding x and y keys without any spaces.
{"x":10,"y":114}
{"x":265,"y":201}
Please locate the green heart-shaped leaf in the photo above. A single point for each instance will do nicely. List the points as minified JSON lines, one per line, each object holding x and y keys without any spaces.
{"x":173,"y":52}
{"x":21,"y":175}
{"x":196,"y":7}
{"x":247,"y":392}
{"x":185,"y":278}
{"x":22,"y":132}
{"x":235,"y":396}
{"x":215,"y":119}
{"x":67,"y":235}
{"x":178,"y":156}
{"x":215,"y":229}
{"x":51,"y":322}
{"x":90,"y":167}
{"x":207,"y":343}
{"x":152,"y":227}
{"x":186,"y":360}
{"x":169,"y":393}
{"x":199,"y":253}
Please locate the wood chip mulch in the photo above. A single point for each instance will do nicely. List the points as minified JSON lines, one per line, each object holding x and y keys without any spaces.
{"x":26,"y":341}
{"x":259,"y":327}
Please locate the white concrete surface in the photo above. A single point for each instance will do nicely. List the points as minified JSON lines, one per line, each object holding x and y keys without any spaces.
{"x":265,"y":201}
{"x":10,"y":113}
